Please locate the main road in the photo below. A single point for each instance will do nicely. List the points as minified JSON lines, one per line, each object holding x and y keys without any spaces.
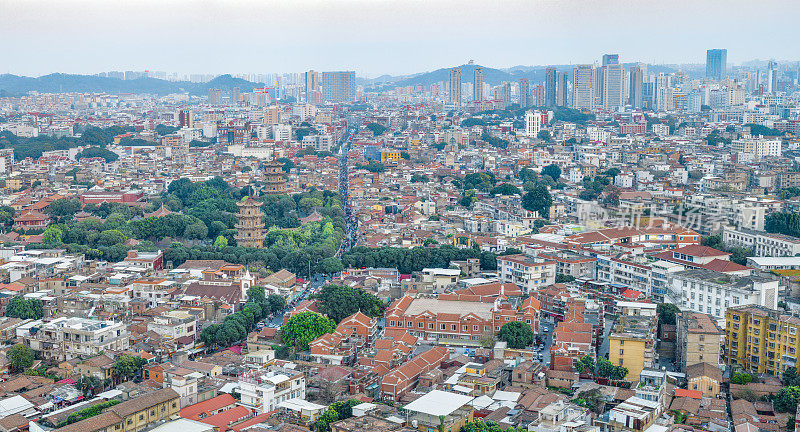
{"x":315,"y":282}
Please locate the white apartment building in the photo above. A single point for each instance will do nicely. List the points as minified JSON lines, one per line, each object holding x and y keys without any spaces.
{"x":761,"y":243}
{"x":153,"y":291}
{"x":712,"y":213}
{"x":304,"y":110}
{"x":67,"y":338}
{"x":263,"y":389}
{"x":174,"y":324}
{"x":533,"y":123}
{"x":660,"y":274}
{"x":527,"y":272}
{"x":635,"y":275}
{"x":6,"y":160}
{"x":758,"y":147}
{"x":282,"y":132}
{"x":319,"y":142}
{"x":711,"y":292}
{"x":440,"y":278}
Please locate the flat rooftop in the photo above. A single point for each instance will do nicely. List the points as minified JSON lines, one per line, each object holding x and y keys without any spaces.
{"x":436,"y":306}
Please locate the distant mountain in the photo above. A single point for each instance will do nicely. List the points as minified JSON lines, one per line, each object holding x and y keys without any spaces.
{"x":55,"y":83}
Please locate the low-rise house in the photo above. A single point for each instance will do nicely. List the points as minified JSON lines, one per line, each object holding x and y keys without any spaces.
{"x":439,"y":408}
{"x":704,"y":377}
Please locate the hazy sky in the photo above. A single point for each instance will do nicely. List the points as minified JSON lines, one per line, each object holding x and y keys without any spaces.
{"x":375,"y":37}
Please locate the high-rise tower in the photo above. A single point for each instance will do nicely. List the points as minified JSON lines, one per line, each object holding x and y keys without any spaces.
{"x":524,"y":93}
{"x":583,"y":87}
{"x":550,"y":87}
{"x":635,"y":94}
{"x":477,"y":85}
{"x":716,"y":63}
{"x":612,"y":86}
{"x":455,"y":86}
{"x":561,"y":89}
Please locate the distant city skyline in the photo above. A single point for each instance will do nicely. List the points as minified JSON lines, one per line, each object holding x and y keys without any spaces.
{"x":380,"y":36}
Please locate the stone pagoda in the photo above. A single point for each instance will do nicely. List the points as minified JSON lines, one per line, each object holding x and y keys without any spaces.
{"x":250,"y":230}
{"x":274,"y":183}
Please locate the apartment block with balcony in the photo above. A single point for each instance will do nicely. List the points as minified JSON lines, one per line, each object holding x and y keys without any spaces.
{"x":761,"y":243}
{"x":632,"y":344}
{"x":761,"y":339}
{"x":263,"y":389}
{"x":67,"y":338}
{"x":712,"y":292}
{"x":527,"y":272}
{"x":699,"y":340}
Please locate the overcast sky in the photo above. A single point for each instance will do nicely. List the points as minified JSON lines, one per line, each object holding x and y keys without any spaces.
{"x":375,"y":37}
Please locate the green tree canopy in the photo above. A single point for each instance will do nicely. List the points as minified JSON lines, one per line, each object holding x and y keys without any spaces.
{"x":516,"y":334}
{"x":304,"y":328}
{"x":52,"y":235}
{"x":667,"y":313}
{"x":20,"y":307}
{"x":786,"y":400}
{"x":127,"y":367}
{"x":505,"y":189}
{"x":376,"y":129}
{"x":340,"y":301}
{"x":553,"y":171}
{"x":538,"y":200}
{"x":20,"y":356}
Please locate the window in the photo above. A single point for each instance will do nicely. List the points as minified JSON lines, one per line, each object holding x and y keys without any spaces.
{"x":621,"y":352}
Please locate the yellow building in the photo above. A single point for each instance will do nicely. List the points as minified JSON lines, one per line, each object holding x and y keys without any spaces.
{"x":632,"y":344}
{"x":390,"y":155}
{"x":132,"y":415}
{"x":760,"y":339}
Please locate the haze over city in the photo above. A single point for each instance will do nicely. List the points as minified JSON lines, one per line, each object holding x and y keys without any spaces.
{"x":380,"y":37}
{"x":399,"y":216}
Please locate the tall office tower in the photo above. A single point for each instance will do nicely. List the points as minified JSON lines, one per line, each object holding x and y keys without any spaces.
{"x":610,"y":59}
{"x":502,"y":93}
{"x":583,"y":87}
{"x":561,"y":89}
{"x":648,"y":94}
{"x":185,"y":118}
{"x":772,"y":76}
{"x":312,"y":86}
{"x":524,"y":93}
{"x":550,"y":87}
{"x":455,"y":86}
{"x":693,"y":102}
{"x":635,"y":93}
{"x":716,"y":63}
{"x":663,"y":93}
{"x":236,"y":96}
{"x":477,"y":85}
{"x":338,"y":87}
{"x":272,"y":115}
{"x":613,"y":76}
{"x":538,"y":95}
{"x":215,"y":96}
